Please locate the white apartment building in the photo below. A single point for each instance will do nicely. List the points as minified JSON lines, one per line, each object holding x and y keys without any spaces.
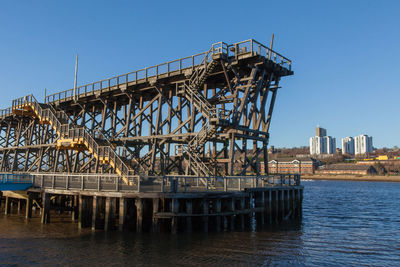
{"x":330,"y":144}
{"x":348,"y":145}
{"x":322,"y":145}
{"x":362,"y":144}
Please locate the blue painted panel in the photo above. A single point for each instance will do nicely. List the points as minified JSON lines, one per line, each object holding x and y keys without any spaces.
{"x":14,"y":187}
{"x":15,"y":182}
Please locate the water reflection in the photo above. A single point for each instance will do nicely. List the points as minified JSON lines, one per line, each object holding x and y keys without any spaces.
{"x":344,"y":223}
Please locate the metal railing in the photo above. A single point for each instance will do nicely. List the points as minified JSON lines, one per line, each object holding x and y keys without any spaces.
{"x":257,"y":48}
{"x":171,"y":183}
{"x":173,"y":67}
{"x":50,"y":114}
{"x":5,"y":112}
{"x":43,"y":114}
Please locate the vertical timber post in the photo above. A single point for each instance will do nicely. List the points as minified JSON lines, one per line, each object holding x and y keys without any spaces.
{"x":175,"y":211}
{"x":122,"y":214}
{"x":283,"y":204}
{"x":28,"y":207}
{"x":46,"y":208}
{"x":218,"y":210}
{"x":94,"y":214}
{"x":156,"y":204}
{"x":205,"y":214}
{"x":232,"y":217}
{"x":189,"y":211}
{"x":75,"y":207}
{"x":139,"y":214}
{"x":7,"y":206}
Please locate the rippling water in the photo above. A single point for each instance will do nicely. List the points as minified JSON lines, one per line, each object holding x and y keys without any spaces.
{"x":344,"y":223}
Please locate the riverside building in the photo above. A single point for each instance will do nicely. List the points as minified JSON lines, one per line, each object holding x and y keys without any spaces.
{"x":363,"y":144}
{"x":322,"y":144}
{"x":348,"y":145}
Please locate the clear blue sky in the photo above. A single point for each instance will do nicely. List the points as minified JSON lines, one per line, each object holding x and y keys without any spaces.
{"x":345,"y":53}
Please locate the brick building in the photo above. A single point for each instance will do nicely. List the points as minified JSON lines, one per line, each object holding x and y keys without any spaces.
{"x":348,"y":168}
{"x":307,"y":166}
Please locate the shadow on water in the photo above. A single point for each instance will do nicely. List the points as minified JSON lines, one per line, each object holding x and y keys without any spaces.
{"x":61,"y":243}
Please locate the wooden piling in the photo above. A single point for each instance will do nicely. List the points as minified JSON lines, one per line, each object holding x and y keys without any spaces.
{"x":28,"y":206}
{"x":282,"y":200}
{"x":46,"y":208}
{"x":94,"y":213}
{"x":189,"y":211}
{"x":175,"y":211}
{"x":232,"y":217}
{"x":139,"y":214}
{"x":205,"y":209}
{"x":109,"y":216}
{"x":156,"y":204}
{"x":75,"y":207}
{"x":218,"y":210}
{"x":122,"y":214}
{"x":241,"y":216}
{"x":7,"y":206}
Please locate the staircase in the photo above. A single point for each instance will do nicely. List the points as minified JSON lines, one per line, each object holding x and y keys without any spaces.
{"x":192,"y":149}
{"x":70,"y":137}
{"x":191,"y":90}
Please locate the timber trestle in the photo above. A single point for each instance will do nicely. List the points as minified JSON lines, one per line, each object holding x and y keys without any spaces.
{"x":206,"y":115}
{"x":198,"y":124}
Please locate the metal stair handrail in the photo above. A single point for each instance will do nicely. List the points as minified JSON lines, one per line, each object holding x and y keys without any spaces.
{"x":65,"y":131}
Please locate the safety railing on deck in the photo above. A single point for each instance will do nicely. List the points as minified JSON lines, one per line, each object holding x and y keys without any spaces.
{"x":5,"y":112}
{"x":173,"y":67}
{"x":257,"y":48}
{"x":177,"y":183}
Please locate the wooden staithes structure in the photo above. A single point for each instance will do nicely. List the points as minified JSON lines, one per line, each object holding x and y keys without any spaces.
{"x":177,"y":144}
{"x":196,"y":115}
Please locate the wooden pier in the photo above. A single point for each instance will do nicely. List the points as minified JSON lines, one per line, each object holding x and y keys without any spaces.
{"x":183,"y":206}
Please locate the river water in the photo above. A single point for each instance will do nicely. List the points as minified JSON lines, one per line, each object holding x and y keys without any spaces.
{"x":344,"y":223}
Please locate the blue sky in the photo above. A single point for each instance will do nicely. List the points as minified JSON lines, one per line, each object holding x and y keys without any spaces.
{"x":345,"y":53}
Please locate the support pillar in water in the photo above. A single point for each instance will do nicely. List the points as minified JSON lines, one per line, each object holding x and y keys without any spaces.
{"x":19,"y":207}
{"x":242,"y":207}
{"x":28,"y":207}
{"x":205,"y":214}
{"x":282,"y":204}
{"x":46,"y":208}
{"x":175,"y":211}
{"x":122,"y":214}
{"x":276,"y":206}
{"x":75,"y":207}
{"x":109,"y":216}
{"x":156,"y":205}
{"x":139,"y":214}
{"x":7,"y":206}
{"x":218,"y":210}
{"x":94,"y":214}
{"x":232,"y":217}
{"x":189,"y":212}
{"x":84,"y":212}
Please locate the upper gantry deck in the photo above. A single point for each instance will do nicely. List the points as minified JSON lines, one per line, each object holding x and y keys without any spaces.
{"x":174,"y":71}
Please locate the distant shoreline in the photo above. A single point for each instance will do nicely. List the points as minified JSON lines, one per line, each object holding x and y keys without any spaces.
{"x":371,"y":178}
